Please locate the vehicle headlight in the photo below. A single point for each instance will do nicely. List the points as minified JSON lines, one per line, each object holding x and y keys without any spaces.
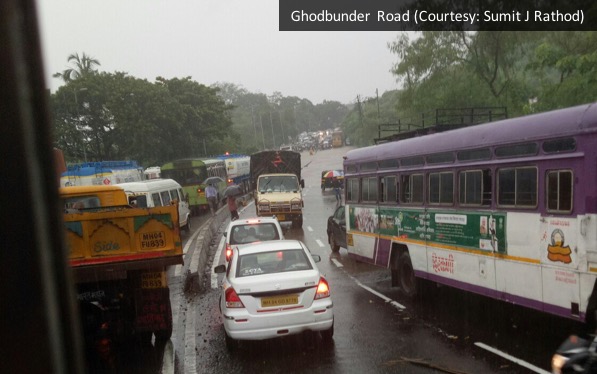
{"x":295,"y":205}
{"x":557,"y":362}
{"x":264,"y":207}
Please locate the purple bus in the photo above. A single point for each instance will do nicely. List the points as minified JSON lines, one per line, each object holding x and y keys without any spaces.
{"x":506,"y":209}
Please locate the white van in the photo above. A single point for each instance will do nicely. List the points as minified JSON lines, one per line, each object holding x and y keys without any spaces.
{"x":159,"y":192}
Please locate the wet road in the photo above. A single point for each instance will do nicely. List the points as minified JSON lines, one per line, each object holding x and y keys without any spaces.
{"x":377,"y":330}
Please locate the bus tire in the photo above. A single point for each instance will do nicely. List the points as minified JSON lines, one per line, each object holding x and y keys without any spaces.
{"x":407,"y":280}
{"x":395,"y":275}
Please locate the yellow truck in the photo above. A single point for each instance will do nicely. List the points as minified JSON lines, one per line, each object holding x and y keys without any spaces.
{"x":119,"y":256}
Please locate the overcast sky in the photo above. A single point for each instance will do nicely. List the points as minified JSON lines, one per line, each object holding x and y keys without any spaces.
{"x":234,"y":41}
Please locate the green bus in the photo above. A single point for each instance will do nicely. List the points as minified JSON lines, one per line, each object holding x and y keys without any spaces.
{"x":192,"y":173}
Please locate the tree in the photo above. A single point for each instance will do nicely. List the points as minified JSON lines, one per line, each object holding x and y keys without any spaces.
{"x":83,"y":65}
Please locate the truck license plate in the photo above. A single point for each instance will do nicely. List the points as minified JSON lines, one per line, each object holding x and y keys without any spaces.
{"x":153,"y":240}
{"x":153,"y":279}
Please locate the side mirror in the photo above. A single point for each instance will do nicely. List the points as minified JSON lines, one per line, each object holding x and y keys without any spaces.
{"x":302,"y":183}
{"x":225,"y":233}
{"x":220,"y":269}
{"x":316,"y":258}
{"x":186,"y":197}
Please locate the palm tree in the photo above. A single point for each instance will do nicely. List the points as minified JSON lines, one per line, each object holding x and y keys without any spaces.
{"x":83,"y":65}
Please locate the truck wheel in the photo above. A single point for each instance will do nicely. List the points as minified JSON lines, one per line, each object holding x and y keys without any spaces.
{"x":187,"y":227}
{"x":163,"y":335}
{"x":298,"y":223}
{"x":406,"y":274}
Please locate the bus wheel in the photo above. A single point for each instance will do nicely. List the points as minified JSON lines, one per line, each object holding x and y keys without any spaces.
{"x":395,"y":275}
{"x":406,"y":273}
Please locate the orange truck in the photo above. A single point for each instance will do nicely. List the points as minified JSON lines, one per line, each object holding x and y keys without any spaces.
{"x":119,"y":256}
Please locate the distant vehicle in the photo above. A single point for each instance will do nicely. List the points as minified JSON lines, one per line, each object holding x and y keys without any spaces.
{"x":152,"y":172}
{"x":337,"y":229}
{"x":276,"y":179}
{"x":159,"y":192}
{"x":241,"y":232}
{"x":101,"y":173}
{"x":347,"y":141}
{"x":328,"y":177}
{"x":238,"y":168}
{"x":327,"y":144}
{"x":337,"y":139}
{"x":191,"y":175}
{"x":274,"y":289}
{"x":286,"y":147}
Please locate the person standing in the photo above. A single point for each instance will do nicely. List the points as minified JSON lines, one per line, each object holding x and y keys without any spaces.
{"x":336,"y":185}
{"x":232,"y":208}
{"x":212,"y":198}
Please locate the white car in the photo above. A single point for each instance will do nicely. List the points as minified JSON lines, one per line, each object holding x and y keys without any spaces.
{"x":241,"y":232}
{"x":274,"y":289}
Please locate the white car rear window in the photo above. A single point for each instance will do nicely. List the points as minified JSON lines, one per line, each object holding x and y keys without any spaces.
{"x":244,"y":234}
{"x":272,"y":262}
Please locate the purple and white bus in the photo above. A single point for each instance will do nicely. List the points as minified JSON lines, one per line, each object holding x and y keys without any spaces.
{"x":506,"y":209}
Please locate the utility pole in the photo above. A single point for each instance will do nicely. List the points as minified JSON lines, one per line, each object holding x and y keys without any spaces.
{"x":281,"y":128}
{"x":378,"y":116}
{"x":262,"y":136}
{"x":272,"y":124}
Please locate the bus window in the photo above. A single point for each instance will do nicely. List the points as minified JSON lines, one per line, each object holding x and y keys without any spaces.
{"x":174,"y":195}
{"x":352,"y":189}
{"x":517,"y":187}
{"x":390,"y":190}
{"x":441,"y":188}
{"x":559,"y":191}
{"x":369,"y":189}
{"x":412,"y":189}
{"x":475,"y":187}
{"x":165,"y":197}
{"x":156,"y":199}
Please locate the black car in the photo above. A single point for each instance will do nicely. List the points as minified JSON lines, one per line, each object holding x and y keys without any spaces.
{"x":337,"y":229}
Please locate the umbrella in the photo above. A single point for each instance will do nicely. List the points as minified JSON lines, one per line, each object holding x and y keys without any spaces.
{"x":333,"y":174}
{"x":233,"y":190}
{"x":213,"y":180}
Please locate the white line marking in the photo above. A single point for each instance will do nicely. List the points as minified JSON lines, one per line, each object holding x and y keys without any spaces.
{"x":337,"y":263}
{"x":190,"y":355}
{"x":393,"y":303}
{"x":214,"y":276}
{"x":320,"y":243}
{"x":310,"y":228}
{"x":512,"y":358}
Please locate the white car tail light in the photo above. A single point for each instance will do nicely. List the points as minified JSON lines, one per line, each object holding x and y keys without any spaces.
{"x":323,"y":289}
{"x":232,"y":299}
{"x":228,"y":252}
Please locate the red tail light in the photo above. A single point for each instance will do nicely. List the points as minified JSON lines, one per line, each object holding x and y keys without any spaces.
{"x":323,"y":289}
{"x":232,"y":299}
{"x":228,"y":252}
{"x":198,"y":190}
